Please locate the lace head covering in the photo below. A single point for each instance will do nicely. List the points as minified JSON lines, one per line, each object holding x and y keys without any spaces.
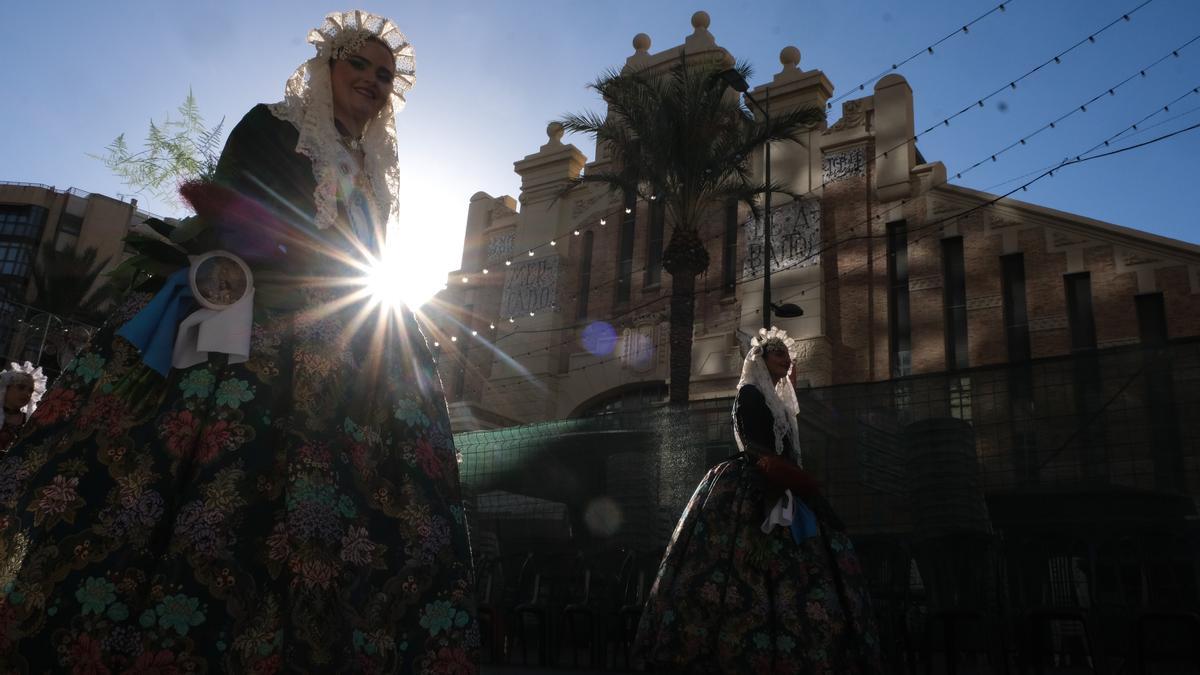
{"x":25,"y":370}
{"x":781,"y":396}
{"x":308,"y":104}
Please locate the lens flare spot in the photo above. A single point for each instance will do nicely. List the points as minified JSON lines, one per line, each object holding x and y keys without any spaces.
{"x":603,"y":517}
{"x":599,"y":338}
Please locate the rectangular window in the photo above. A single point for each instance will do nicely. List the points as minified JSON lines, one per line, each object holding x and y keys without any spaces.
{"x":954,"y":301}
{"x":899,"y":326}
{"x":22,"y":220}
{"x":729,"y":249}
{"x":1079,"y":311}
{"x":654,"y":243}
{"x":1152,"y":319}
{"x":585,"y":274}
{"x":15,"y":259}
{"x":1016,"y":314}
{"x":69,"y":223}
{"x":625,"y":248}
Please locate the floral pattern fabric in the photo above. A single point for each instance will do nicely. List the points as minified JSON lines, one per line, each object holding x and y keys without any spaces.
{"x":729,"y":598}
{"x":298,"y":512}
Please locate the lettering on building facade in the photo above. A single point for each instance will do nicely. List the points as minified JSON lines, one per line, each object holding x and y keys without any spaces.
{"x":795,"y":238}
{"x":530,"y":286}
{"x":500,"y":246}
{"x":843,"y":164}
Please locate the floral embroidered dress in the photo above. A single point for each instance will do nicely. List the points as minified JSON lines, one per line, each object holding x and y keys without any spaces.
{"x":297,"y":512}
{"x":730,"y":598}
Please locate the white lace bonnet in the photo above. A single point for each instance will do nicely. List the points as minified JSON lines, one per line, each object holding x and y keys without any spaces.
{"x":308,"y":104}
{"x":35,"y":374}
{"x":781,"y":396}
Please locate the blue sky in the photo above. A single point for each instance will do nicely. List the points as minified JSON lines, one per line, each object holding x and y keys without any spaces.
{"x":490,"y":75}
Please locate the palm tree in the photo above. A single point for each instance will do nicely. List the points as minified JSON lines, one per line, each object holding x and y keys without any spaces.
{"x":682,"y":136}
{"x":69,"y":287}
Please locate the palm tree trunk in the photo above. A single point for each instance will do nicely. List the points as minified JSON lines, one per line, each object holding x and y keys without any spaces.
{"x":683,"y":321}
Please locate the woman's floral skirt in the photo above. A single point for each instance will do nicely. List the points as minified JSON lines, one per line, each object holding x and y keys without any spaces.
{"x":730,"y":599}
{"x":297,"y":512}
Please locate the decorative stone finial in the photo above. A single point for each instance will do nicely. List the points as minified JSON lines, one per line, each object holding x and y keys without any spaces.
{"x":554,"y":131}
{"x":701,"y":20}
{"x":641,"y":43}
{"x":790,"y":57}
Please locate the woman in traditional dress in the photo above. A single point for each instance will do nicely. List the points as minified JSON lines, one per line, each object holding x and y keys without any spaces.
{"x":759,"y":576}
{"x":21,"y":387}
{"x":273,"y":485}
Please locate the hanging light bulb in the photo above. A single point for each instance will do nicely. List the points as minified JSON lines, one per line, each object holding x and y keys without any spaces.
{"x":465,"y":280}
{"x":553,"y":243}
{"x":454,"y":338}
{"x":531,"y":314}
{"x":530,"y":253}
{"x":474,"y":332}
{"x":576,"y":233}
{"x":485,"y":270}
{"x":436,"y":343}
{"x":492,"y":326}
{"x":507,"y":263}
{"x":628,"y":210}
{"x":511,"y":320}
{"x":603,"y":222}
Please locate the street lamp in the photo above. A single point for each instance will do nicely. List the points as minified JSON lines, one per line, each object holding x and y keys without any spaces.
{"x":786,"y":311}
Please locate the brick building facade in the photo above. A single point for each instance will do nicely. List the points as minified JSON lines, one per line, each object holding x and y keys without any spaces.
{"x":899,"y":272}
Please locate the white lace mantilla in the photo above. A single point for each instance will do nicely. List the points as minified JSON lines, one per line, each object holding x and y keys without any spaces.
{"x":308,"y":105}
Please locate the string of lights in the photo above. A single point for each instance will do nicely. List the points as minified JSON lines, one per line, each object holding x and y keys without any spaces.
{"x":993,"y":157}
{"x":531,"y":252}
{"x":1136,"y":128}
{"x":1083,"y":107}
{"x":978,"y":103}
{"x":1056,"y":59}
{"x":965,"y":30}
{"x":922,"y":232}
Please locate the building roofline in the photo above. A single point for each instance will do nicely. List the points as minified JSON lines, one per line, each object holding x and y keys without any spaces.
{"x":1043,"y":215}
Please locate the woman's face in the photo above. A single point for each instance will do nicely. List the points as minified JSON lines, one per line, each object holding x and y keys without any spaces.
{"x":362,"y":83}
{"x":18,"y":393}
{"x":778,"y":363}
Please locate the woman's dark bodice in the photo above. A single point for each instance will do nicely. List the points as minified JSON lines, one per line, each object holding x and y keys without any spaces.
{"x":754,"y":422}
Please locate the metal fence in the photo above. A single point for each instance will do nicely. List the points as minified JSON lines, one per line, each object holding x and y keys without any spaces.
{"x":1035,"y":515}
{"x":42,"y":338}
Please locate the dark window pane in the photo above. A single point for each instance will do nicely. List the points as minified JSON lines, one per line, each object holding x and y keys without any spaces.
{"x":69,"y":223}
{"x":1079,"y":311}
{"x":955,"y":302}
{"x":729,"y":249}
{"x":654,"y":243}
{"x":1016,"y":314}
{"x":585,"y":274}
{"x":899,"y":323}
{"x":1152,"y":319}
{"x":625,"y":248}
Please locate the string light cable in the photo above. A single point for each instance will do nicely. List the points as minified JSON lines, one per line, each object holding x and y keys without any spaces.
{"x":993,"y":157}
{"x":966,"y":29}
{"x":1125,"y":17}
{"x":923,"y":231}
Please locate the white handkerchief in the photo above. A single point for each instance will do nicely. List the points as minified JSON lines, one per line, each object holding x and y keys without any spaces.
{"x":206,"y":330}
{"x":781,"y":514}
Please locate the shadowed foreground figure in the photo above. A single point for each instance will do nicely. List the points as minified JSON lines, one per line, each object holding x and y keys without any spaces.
{"x":21,"y":387}
{"x":759,"y":576}
{"x":291,"y":508}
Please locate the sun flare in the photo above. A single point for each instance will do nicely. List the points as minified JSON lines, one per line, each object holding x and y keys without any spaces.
{"x":387,"y":283}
